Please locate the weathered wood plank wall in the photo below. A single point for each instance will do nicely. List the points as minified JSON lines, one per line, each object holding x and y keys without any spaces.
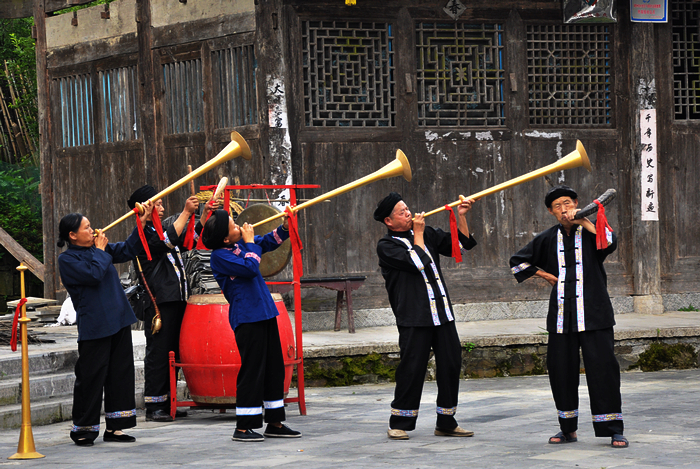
{"x":340,"y":236}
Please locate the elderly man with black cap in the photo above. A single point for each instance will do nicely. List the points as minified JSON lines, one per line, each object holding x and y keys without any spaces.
{"x":166,"y":279}
{"x":409,"y":256}
{"x":580,"y":316}
{"x":235,"y":263}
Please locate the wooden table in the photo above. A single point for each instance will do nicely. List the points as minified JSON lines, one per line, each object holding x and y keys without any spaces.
{"x":343,"y":285}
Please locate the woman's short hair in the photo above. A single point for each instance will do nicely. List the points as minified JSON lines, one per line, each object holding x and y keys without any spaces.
{"x":68,"y":224}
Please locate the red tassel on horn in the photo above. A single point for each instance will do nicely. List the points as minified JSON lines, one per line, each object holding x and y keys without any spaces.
{"x":601,"y":223}
{"x":456,"y":251}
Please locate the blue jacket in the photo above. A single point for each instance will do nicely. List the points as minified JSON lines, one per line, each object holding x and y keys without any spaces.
{"x":237,"y":271}
{"x":93,"y":283}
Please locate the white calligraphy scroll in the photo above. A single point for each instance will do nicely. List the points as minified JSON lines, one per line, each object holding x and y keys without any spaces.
{"x":650,"y":193}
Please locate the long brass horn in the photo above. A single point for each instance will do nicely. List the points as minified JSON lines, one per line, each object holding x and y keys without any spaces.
{"x":574,"y":159}
{"x":237,"y":147}
{"x":398,"y":167}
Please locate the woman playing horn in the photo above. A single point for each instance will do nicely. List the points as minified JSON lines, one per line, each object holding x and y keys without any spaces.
{"x":166,"y":279}
{"x":104,"y":317}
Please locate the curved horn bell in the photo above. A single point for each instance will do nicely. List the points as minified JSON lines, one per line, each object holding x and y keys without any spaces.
{"x":576,"y":158}
{"x":398,"y":167}
{"x":237,"y":147}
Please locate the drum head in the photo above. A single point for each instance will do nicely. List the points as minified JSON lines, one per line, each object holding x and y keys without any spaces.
{"x":272,"y":262}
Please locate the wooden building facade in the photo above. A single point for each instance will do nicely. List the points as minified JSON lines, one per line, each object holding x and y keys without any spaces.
{"x":324,"y":93}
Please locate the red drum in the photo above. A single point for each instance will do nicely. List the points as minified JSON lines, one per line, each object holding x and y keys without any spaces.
{"x":208,"y":350}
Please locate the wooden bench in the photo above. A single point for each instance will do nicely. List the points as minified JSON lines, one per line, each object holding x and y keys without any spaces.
{"x":343,"y":285}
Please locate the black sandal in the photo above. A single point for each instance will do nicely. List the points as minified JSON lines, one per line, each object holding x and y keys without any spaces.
{"x":563,"y":438}
{"x":619,"y":437}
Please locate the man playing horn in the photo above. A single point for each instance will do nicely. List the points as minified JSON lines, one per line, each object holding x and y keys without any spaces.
{"x":409,"y":256}
{"x":580,"y":317}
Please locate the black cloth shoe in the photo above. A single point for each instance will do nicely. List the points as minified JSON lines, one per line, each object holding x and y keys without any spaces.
{"x":84,"y":438}
{"x":246,"y":435}
{"x":281,"y":432}
{"x":159,"y":416}
{"x":180,"y":414}
{"x":84,"y":442}
{"x":123,"y":438}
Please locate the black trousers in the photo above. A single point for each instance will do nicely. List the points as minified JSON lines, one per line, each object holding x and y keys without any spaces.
{"x":602,"y":376}
{"x":104,"y":365}
{"x":415,"y":344}
{"x":156,"y":364}
{"x":260,"y":381}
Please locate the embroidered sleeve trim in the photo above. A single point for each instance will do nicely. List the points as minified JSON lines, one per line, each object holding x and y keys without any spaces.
{"x":520,"y":268}
{"x":252,"y":255}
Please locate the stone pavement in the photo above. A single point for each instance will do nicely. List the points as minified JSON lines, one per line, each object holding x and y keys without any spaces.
{"x":346,"y":428}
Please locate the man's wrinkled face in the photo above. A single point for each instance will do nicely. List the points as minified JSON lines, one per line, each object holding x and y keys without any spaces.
{"x":559,"y":208}
{"x":400,"y":218}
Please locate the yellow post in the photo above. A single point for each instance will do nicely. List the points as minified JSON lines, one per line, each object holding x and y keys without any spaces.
{"x":25,"y":447}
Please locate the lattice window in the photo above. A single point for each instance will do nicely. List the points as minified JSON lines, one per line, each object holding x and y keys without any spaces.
{"x":183,"y":99}
{"x":75,"y":95}
{"x":348,"y":73}
{"x":686,"y":59}
{"x":460,"y":74}
{"x":120,"y":104}
{"x":569,"y":75}
{"x":233,"y":73}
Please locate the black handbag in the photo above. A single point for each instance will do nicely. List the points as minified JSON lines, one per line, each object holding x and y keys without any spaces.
{"x":139,"y":300}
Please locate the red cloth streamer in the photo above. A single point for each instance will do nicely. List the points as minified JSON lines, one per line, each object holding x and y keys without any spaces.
{"x":227,"y":199}
{"x":200,"y":243}
{"x":142,"y":235}
{"x":13,"y":340}
{"x":601,"y":222}
{"x":456,"y":251}
{"x":189,"y":234}
{"x":156,"y":223}
{"x":296,"y":243}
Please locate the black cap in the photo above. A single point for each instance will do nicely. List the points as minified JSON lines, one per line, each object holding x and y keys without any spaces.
{"x":386,"y":206}
{"x":559,"y":191}
{"x":141,"y":194}
{"x":215,"y":230}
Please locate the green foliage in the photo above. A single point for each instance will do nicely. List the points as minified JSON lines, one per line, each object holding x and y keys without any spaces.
{"x":661,"y":356}
{"x":80,"y":7}
{"x":17,"y":49}
{"x":689,"y":308}
{"x":469,"y":346}
{"x":20,"y":207}
{"x":350,"y":370}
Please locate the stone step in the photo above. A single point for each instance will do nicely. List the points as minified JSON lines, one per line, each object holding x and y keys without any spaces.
{"x":48,"y":386}
{"x":58,"y":407}
{"x":49,"y":362}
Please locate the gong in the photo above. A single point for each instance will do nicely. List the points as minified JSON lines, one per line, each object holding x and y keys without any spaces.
{"x":272,"y":262}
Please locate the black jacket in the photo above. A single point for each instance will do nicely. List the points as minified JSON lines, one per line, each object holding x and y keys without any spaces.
{"x":417,"y":291}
